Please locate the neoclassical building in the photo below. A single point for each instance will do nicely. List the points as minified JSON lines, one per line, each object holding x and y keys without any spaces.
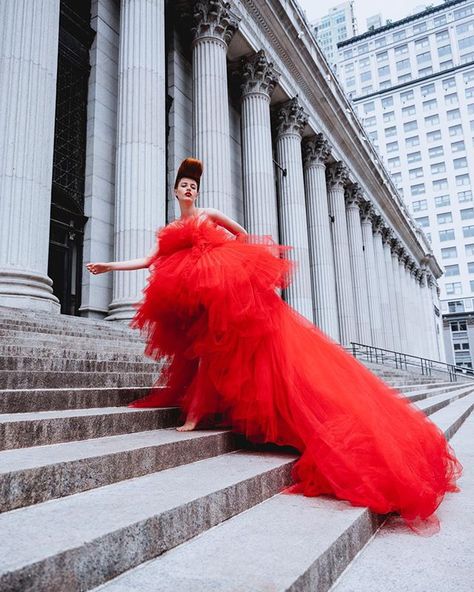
{"x":101,"y":100}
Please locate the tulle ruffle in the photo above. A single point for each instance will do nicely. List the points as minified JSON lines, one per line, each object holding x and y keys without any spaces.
{"x":234,"y":348}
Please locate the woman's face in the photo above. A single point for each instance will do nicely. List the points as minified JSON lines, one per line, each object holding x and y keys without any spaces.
{"x":187,"y":190}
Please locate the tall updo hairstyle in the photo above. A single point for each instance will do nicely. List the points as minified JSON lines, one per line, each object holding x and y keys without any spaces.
{"x":191,"y":168}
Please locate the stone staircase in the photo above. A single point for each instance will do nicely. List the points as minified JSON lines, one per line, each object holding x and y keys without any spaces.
{"x":95,"y":495}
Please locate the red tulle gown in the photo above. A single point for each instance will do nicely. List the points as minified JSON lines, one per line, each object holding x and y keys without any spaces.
{"x":233,"y":347}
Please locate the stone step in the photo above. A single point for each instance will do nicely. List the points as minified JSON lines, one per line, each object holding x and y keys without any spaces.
{"x":29,"y":400}
{"x":433,"y":404}
{"x":419,"y":387}
{"x":288,"y":543}
{"x":21,"y":430}
{"x":131,"y":337}
{"x":449,"y":419}
{"x":33,"y":475}
{"x":9,"y":379}
{"x":81,"y":541}
{"x":69,"y":353}
{"x":82,"y":344}
{"x":97,"y":331}
{"x":61,"y":322}
{"x":446,"y":558}
{"x":58,"y":364}
{"x":425,"y":393}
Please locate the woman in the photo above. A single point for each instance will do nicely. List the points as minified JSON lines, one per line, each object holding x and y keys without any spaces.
{"x":235,"y":349}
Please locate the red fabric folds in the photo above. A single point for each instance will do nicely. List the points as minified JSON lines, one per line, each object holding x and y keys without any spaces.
{"x":234,"y":347}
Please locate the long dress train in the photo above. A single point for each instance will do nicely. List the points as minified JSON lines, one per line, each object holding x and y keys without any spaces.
{"x":233,"y":347}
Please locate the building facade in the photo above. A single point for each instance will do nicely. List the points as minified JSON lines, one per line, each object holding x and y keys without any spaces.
{"x":336,"y":26}
{"x":412,"y":83}
{"x":237,"y":85}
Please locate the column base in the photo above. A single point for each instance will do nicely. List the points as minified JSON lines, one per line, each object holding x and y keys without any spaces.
{"x":27,"y":290}
{"x":121,"y":311}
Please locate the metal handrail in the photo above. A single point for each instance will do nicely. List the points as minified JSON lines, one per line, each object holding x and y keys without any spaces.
{"x":405,"y":361}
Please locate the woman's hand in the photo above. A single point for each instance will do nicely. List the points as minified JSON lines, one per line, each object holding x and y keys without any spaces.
{"x":96,"y":268}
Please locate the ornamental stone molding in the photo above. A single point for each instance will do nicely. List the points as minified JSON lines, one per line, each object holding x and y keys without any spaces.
{"x":395,"y":245}
{"x":213,"y":18}
{"x":316,"y":150}
{"x":354,"y":196}
{"x":258,"y":75}
{"x":387,"y":235}
{"x":378,"y":223}
{"x":291,"y":118}
{"x":366,"y":210}
{"x":337,"y":175}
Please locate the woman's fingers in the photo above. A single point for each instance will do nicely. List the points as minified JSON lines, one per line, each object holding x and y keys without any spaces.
{"x":96,"y":268}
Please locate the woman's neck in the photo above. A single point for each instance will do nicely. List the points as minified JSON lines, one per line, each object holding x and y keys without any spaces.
{"x":189,"y":212}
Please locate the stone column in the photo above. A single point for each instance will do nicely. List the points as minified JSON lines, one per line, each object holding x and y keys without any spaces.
{"x":403,"y":300}
{"x":290,"y":121}
{"x":386,"y":238}
{"x":408,"y":302}
{"x":214,"y":28}
{"x":260,"y":203}
{"x":395,"y":246}
{"x":383,"y":283}
{"x":373,"y":285}
{"x":337,"y":178}
{"x":418,"y":343}
{"x":357,"y":263}
{"x":428,"y":309}
{"x":28,"y":71}
{"x":140,"y":176}
{"x":315,"y":153}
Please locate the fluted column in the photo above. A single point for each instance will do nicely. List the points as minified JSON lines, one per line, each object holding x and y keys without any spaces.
{"x":439,"y":353}
{"x":428,"y":306}
{"x":140,"y":176}
{"x":416,"y":311}
{"x":214,"y":28}
{"x":386,"y":238}
{"x":408,"y":302}
{"x":373,"y":285}
{"x":395,"y":248}
{"x":315,"y":153}
{"x":337,"y":178}
{"x":383,"y":284}
{"x":260,"y":204}
{"x":28,"y":71}
{"x":290,"y":121}
{"x":357,"y":263}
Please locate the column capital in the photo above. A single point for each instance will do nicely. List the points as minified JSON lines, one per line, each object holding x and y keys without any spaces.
{"x":378,"y":223}
{"x":354,"y":196}
{"x":258,"y":75}
{"x":316,"y":150}
{"x":366,"y":211}
{"x":291,"y":118}
{"x":337,"y":175}
{"x":395,"y":245}
{"x":387,"y":235}
{"x":213,"y":18}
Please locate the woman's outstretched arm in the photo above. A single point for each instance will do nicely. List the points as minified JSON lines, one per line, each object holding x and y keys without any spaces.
{"x":131,"y":264}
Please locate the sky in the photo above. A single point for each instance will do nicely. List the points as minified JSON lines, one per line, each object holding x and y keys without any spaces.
{"x":363,"y":8}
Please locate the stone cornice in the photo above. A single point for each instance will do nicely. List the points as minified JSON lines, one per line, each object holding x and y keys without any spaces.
{"x":213,"y":18}
{"x":258,"y":75}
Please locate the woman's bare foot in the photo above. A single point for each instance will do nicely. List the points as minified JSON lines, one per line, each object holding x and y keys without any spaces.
{"x":188,"y":426}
